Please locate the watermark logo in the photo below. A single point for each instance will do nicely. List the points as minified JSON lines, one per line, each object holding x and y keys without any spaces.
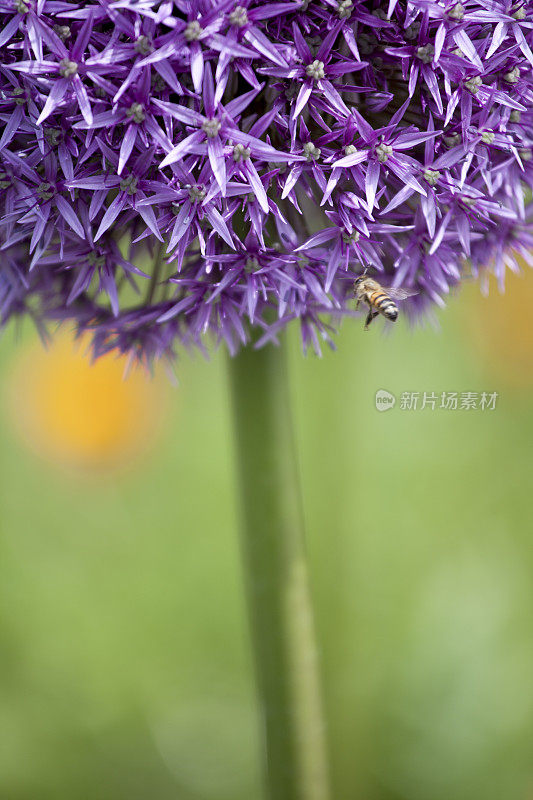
{"x":384,"y":400}
{"x":443,"y":401}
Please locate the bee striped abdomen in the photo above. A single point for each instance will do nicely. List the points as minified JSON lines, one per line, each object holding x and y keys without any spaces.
{"x":383,"y":303}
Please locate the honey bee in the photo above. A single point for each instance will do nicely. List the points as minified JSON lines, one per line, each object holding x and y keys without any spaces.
{"x":378,"y":299}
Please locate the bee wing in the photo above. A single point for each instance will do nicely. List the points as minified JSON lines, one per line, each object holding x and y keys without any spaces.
{"x":400,"y":294}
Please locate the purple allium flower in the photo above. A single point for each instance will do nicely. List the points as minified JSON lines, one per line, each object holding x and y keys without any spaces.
{"x":171,"y":169}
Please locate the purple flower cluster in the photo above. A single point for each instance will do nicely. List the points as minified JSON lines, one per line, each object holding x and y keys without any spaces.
{"x":171,"y":169}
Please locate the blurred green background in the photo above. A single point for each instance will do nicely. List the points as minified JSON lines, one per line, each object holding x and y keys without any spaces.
{"x":125,"y":671}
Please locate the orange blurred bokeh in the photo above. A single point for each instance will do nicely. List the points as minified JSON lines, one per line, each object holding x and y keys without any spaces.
{"x":500,"y":326}
{"x":77,"y":412}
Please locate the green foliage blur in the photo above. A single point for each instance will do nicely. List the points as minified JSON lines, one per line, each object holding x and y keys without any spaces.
{"x":125,"y":672}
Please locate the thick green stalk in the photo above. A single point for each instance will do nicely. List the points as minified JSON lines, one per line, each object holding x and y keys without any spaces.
{"x":156,"y":273}
{"x":276,"y":578}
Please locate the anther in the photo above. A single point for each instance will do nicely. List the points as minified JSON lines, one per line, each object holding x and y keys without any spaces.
{"x":67,"y":68}
{"x":43,"y":190}
{"x":129,"y":184}
{"x":136,"y":112}
{"x":193,"y":31}
{"x":211,"y":127}
{"x":344,"y":8}
{"x":315,"y":70}
{"x":432,"y":176}
{"x":241,"y":153}
{"x":351,"y":238}
{"x":311,"y":151}
{"x":457,"y":11}
{"x":143,"y":46}
{"x":63,"y":31}
{"x":426,"y":53}
{"x":196,"y":193}
{"x":512,"y":76}
{"x":239,"y":17}
{"x":383,"y":151}
{"x":473,"y":84}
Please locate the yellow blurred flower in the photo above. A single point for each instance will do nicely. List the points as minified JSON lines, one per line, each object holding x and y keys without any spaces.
{"x":77,"y":412}
{"x":500,"y":325}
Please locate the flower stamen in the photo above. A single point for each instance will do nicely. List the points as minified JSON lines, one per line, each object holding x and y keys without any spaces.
{"x":241,"y":153}
{"x":211,"y":127}
{"x":513,"y":76}
{"x":345,"y":8}
{"x":143,"y":45}
{"x":136,"y":112}
{"x":457,"y":11}
{"x":239,"y":17}
{"x":129,"y":184}
{"x":315,"y":70}
{"x":383,"y":152}
{"x":426,"y":53}
{"x":196,"y":193}
{"x":193,"y":31}
{"x":473,"y":84}
{"x":67,"y":68}
{"x":432,"y":176}
{"x":45,"y":191}
{"x":252,"y":264}
{"x":312,"y":152}
{"x":63,"y":31}
{"x":351,"y":238}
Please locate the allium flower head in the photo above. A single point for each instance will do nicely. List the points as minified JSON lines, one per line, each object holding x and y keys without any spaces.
{"x":171,"y":169}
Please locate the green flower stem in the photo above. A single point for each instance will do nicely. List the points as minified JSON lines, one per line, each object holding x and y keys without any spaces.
{"x":156,"y":273}
{"x":276,"y":578}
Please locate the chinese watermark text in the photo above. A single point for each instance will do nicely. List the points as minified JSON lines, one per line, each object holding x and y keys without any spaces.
{"x":444,"y":401}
